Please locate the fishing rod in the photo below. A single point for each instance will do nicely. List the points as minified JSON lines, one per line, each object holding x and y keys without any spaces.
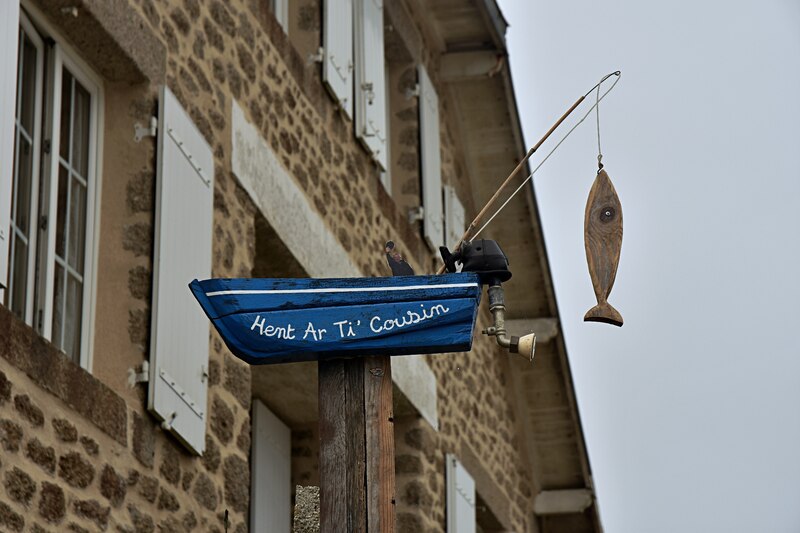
{"x":528,"y":155}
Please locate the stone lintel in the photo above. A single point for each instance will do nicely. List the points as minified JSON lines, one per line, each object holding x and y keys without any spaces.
{"x":111,"y":36}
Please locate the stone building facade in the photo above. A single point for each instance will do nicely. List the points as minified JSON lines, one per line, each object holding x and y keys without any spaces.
{"x":297,"y":191}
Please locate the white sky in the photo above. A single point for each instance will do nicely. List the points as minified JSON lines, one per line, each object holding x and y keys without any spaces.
{"x":691,"y":410}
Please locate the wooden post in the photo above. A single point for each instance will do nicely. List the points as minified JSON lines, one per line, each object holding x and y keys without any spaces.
{"x":356,"y":432}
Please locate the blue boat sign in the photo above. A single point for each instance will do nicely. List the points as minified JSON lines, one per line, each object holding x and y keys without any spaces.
{"x":266,"y":321}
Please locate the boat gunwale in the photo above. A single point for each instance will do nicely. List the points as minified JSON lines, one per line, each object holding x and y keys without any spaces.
{"x":344,"y":289}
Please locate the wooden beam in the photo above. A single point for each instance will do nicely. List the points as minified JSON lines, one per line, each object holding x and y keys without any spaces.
{"x":342,"y":468}
{"x":379,"y":443}
{"x":569,"y":501}
{"x":356,"y":432}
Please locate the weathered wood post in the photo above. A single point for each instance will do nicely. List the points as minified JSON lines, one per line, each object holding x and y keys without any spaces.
{"x":356,"y":433}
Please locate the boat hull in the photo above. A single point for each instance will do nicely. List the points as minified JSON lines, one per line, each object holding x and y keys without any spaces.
{"x":267,"y":321}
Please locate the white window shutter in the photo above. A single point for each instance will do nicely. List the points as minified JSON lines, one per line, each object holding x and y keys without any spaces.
{"x":370,"y":78}
{"x":271,"y":464}
{"x":454,"y":217}
{"x":280,"y":8}
{"x":337,"y":35}
{"x":182,"y":252}
{"x":460,"y":498}
{"x":9,"y":39}
{"x":431,"y":161}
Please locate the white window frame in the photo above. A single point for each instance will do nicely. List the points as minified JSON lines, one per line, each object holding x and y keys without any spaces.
{"x":62,"y":55}
{"x":36,"y":147}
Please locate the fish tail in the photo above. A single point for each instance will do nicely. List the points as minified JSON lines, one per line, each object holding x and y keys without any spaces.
{"x":603,"y":312}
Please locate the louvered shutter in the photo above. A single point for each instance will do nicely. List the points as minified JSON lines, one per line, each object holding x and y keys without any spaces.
{"x":431,"y":161}
{"x":370,"y":78}
{"x":9,"y":37}
{"x":337,"y":35}
{"x":182,"y":252}
{"x":271,"y":483}
{"x":460,"y":498}
{"x":454,"y":217}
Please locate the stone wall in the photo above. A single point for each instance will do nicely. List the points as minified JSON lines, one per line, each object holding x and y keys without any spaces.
{"x":76,"y":457}
{"x":136,"y":478}
{"x":477,"y":423}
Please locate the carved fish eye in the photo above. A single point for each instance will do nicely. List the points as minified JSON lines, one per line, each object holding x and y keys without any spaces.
{"x":607,"y":214}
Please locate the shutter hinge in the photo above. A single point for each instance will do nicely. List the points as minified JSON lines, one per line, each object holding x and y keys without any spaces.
{"x":178,"y":390}
{"x":319,"y":57}
{"x":46,"y":146}
{"x":135,"y":377}
{"x":140,"y":132}
{"x":166,"y":425}
{"x":415,"y":214}
{"x":368,"y":88}
{"x":412,"y":92}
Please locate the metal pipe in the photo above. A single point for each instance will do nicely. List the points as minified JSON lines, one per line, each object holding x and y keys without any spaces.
{"x":526,"y":345}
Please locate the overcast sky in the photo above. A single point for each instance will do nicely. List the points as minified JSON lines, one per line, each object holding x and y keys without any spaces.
{"x":691,"y":410}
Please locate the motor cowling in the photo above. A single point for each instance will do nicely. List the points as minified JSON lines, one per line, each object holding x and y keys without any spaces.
{"x":482,"y":256}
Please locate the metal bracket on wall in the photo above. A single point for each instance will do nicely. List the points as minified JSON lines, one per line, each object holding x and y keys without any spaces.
{"x":143,"y":376}
{"x":140,"y":132}
{"x":412,"y":92}
{"x":319,"y":57}
{"x":415,"y":214}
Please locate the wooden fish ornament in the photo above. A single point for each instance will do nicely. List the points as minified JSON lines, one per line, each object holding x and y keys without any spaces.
{"x":602,"y":233}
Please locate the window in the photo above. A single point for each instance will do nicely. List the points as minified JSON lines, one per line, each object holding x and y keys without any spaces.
{"x":27,"y":149}
{"x":55,"y":184}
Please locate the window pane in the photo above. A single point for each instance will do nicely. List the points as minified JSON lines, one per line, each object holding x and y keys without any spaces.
{"x":58,"y":305}
{"x":80,"y":130}
{"x":23,"y":186}
{"x":61,"y":216}
{"x":72,"y":318}
{"x":66,"y":108}
{"x":28,"y":95}
{"x":77,"y":225}
{"x":20,"y":273}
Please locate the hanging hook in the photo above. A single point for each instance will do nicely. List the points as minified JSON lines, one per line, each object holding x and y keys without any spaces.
{"x":597,"y":112}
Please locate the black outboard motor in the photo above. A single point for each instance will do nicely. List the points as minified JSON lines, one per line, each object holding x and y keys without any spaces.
{"x":482,"y":256}
{"x":486,"y":258}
